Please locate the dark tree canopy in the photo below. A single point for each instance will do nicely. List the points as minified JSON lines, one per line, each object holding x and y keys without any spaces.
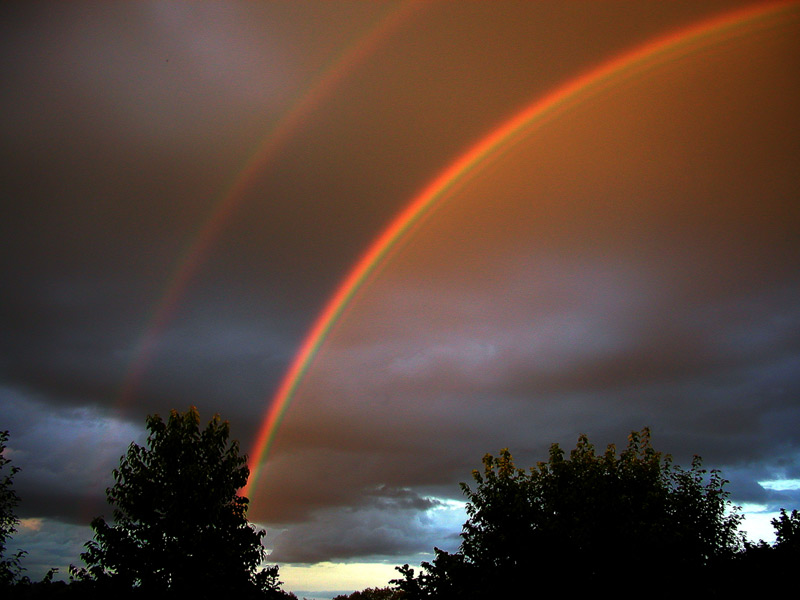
{"x":585,"y":523}
{"x":384,"y":593}
{"x":787,"y":532}
{"x":761,"y":562}
{"x":179,"y":525}
{"x":9,"y":566}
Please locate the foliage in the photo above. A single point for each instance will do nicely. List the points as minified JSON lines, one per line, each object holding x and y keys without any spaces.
{"x":10,"y":568}
{"x":760,"y":562}
{"x":586,"y":523}
{"x":384,"y":593}
{"x":787,"y":532}
{"x":179,"y":525}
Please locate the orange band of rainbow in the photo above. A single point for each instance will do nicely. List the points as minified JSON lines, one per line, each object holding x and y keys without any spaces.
{"x":575,"y":91}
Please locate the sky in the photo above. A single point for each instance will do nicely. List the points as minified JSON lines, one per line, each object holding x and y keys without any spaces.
{"x":187,"y":186}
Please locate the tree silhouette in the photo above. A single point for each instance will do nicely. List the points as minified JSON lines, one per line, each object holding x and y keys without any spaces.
{"x":761,"y":562}
{"x":179,"y":525}
{"x":787,"y":533}
{"x":584,"y":524}
{"x":9,"y":566}
{"x":384,"y":593}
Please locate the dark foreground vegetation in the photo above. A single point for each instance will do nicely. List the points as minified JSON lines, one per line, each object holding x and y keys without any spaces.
{"x":179,"y":527}
{"x":580,"y":524}
{"x":631,"y":522}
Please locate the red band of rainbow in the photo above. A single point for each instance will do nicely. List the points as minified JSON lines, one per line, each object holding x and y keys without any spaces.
{"x":623,"y":67}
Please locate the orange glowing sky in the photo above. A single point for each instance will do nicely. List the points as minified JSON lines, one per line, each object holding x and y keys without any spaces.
{"x":188,"y":190}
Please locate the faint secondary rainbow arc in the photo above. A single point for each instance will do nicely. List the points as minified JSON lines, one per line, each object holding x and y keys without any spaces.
{"x":575,"y":91}
{"x":197,"y":249}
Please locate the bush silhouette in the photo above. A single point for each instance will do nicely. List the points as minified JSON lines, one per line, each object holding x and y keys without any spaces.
{"x":10,"y":568}
{"x":587,"y":523}
{"x":179,"y":525}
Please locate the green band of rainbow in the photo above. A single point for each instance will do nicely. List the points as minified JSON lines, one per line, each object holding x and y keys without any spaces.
{"x":575,"y":91}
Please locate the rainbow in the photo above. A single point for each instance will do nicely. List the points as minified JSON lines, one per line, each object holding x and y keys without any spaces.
{"x":196,"y":251}
{"x":552,"y":105}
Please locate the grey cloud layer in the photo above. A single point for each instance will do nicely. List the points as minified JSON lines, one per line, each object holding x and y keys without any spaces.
{"x":634,"y":264}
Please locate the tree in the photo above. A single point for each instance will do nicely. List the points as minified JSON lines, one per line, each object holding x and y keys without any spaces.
{"x":760,"y":562}
{"x":384,"y":593}
{"x":9,"y":567}
{"x":787,"y":533}
{"x":179,"y":525}
{"x":586,"y":523}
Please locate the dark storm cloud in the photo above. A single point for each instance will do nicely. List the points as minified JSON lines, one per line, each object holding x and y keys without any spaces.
{"x":65,"y":454}
{"x":49,"y":544}
{"x":634,"y":264}
{"x":124,"y":126}
{"x":387,"y":522}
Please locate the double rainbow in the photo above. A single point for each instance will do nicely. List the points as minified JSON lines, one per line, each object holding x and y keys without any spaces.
{"x":199,"y":246}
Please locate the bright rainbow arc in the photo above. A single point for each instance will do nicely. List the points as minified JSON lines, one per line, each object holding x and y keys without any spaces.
{"x":543,"y":110}
{"x":198,"y":248}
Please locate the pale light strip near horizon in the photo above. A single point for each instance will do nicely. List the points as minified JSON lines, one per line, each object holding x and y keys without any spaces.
{"x":575,"y":91}
{"x":780,"y":485}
